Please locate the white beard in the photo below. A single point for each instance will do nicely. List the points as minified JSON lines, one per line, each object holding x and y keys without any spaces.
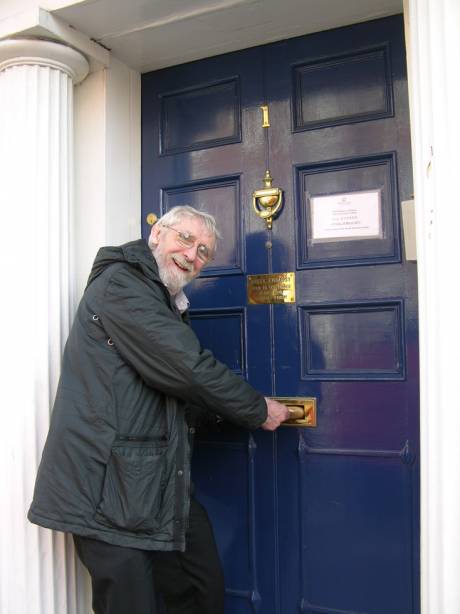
{"x":172,"y":277}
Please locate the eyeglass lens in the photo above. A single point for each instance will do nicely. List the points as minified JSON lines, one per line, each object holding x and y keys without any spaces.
{"x":188,"y":241}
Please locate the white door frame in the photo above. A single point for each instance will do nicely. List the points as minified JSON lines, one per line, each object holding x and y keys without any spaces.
{"x":433,"y":51}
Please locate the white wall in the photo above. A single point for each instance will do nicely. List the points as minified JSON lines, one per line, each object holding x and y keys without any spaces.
{"x":123,"y":153}
{"x":89,"y":228}
{"x":107,"y":164}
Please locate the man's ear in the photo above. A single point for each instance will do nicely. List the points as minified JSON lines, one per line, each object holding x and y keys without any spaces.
{"x":155,"y":234}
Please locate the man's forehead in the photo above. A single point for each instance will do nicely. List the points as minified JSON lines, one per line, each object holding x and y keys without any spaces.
{"x":196,"y":227}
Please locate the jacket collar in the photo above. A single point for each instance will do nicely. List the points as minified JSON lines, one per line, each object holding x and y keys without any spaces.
{"x":138,"y":252}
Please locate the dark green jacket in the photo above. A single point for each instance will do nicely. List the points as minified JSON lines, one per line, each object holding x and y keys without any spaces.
{"x":116,"y":464}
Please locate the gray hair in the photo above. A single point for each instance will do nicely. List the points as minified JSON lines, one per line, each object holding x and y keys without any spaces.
{"x":176,"y":214}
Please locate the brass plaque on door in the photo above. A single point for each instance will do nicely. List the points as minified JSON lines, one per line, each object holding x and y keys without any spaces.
{"x":302,"y":410}
{"x":271,"y":288}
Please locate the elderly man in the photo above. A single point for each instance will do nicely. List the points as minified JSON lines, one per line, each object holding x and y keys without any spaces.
{"x":115,"y":470}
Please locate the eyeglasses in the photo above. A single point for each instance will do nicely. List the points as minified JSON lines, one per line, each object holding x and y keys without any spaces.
{"x":185,"y":239}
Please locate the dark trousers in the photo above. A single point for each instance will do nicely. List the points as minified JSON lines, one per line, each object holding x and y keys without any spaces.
{"x":132,"y":581}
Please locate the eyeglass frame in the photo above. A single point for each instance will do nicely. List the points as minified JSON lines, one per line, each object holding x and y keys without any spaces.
{"x":188,"y":240}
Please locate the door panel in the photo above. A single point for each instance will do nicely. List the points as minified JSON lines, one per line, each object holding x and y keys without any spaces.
{"x":351,"y":87}
{"x":348,"y":176}
{"x":321,"y":520}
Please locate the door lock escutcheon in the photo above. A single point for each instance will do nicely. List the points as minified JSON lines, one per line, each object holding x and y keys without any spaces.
{"x":302,"y":411}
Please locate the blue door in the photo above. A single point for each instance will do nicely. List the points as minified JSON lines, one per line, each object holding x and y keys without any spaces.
{"x":321,"y":520}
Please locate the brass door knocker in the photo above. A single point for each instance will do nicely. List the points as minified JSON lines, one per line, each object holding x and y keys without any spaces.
{"x":267,"y":202}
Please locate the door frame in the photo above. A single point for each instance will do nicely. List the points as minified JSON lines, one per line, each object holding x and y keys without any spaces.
{"x":433,"y":49}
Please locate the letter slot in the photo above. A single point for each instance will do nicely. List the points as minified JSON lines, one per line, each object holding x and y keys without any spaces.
{"x":302,"y":411}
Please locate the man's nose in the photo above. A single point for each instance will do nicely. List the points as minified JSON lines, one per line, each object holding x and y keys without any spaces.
{"x":190,"y":252}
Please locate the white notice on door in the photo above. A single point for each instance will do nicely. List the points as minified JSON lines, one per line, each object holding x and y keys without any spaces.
{"x":355,"y":215}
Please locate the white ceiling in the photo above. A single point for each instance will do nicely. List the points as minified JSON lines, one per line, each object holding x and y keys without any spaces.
{"x":152,"y":34}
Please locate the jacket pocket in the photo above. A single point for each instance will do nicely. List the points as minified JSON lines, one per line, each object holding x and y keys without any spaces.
{"x":133,"y":485}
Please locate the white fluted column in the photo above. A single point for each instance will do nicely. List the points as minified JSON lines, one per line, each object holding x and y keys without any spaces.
{"x":38,"y":573}
{"x":433,"y":43}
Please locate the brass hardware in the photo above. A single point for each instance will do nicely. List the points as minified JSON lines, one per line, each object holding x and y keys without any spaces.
{"x":265,"y":117}
{"x":296,"y":413}
{"x":151,"y":219}
{"x":267,"y":201}
{"x":302,"y":410}
{"x":271,"y":288}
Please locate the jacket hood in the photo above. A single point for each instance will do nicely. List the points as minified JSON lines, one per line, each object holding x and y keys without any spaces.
{"x":136,"y":253}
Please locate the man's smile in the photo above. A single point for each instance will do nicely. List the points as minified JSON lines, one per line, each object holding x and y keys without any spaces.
{"x":182,"y":264}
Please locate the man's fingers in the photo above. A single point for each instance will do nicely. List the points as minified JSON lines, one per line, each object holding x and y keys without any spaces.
{"x":276,"y":414}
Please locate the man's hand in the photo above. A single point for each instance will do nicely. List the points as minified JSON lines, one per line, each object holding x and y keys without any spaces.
{"x":277,"y":413}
